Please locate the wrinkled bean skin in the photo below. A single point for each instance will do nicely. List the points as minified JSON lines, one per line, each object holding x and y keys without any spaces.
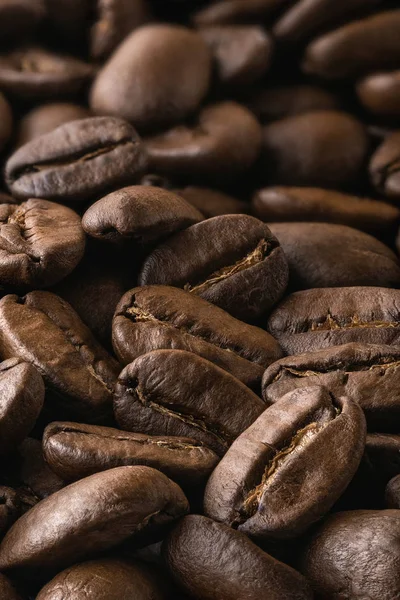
{"x":306,"y":436}
{"x":210,"y":560}
{"x":105,"y":153}
{"x":355,"y":554}
{"x":151,"y":398}
{"x":232,"y":261}
{"x":122,"y":503}
{"x":160,"y":317}
{"x":106,"y":579}
{"x":384,"y":167}
{"x":146,"y":73}
{"x":76,"y":451}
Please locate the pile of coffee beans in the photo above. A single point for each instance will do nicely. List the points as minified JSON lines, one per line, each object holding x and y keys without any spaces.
{"x":200,"y":300}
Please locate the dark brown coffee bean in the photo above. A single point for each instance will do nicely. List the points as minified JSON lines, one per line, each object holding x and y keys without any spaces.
{"x":115,"y":19}
{"x":107,"y":579}
{"x":75,"y":451}
{"x":209,"y":149}
{"x":309,"y":437}
{"x":46,"y":118}
{"x":18,"y":18}
{"x":384,"y":167}
{"x":44,"y":330}
{"x":160,"y":317}
{"x":210,"y":561}
{"x":67,"y":21}
{"x":21,"y":400}
{"x":7,"y":591}
{"x":213,"y":203}
{"x":392,"y":493}
{"x":383,"y":455}
{"x":142,"y":81}
{"x":320,"y":318}
{"x":284,"y":204}
{"x":139,"y":214}
{"x":355,"y":554}
{"x":242,"y":54}
{"x":317,"y":253}
{"x":77,"y":161}
{"x":232,"y":261}
{"x":92,"y":515}
{"x":321,"y":149}
{"x":380,"y":93}
{"x":358,"y":47}
{"x":222,"y":12}
{"x":206,"y":403}
{"x":35,"y":73}
{"x":10,"y":510}
{"x":367,"y":373}
{"x":6,"y":119}
{"x":40,"y":243}
{"x":280,"y":102}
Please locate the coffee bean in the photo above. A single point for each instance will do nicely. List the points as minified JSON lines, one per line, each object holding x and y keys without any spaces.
{"x":355,"y":554}
{"x":320,"y":318}
{"x":316,"y":253}
{"x":208,"y":150}
{"x":232,"y":261}
{"x":76,"y":450}
{"x":321,"y":149}
{"x":365,"y":372}
{"x":285,"y":204}
{"x":7,"y":591}
{"x":92,"y":515}
{"x":10,"y":509}
{"x":46,"y":118}
{"x":383,"y":454}
{"x":42,"y":329}
{"x":142,"y":81}
{"x":207,"y":404}
{"x":308,"y":436}
{"x":356,"y":48}
{"x":77,"y":161}
{"x":21,"y":400}
{"x":222,"y":12}
{"x":392,"y":493}
{"x":160,"y":317}
{"x":40,"y":243}
{"x":380,"y":93}
{"x":213,"y":203}
{"x":210,"y":560}
{"x":6,"y":121}
{"x":139,"y":214}
{"x":19,"y":18}
{"x":384,"y":167}
{"x":107,"y":579}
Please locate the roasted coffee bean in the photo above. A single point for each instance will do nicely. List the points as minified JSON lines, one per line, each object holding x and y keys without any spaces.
{"x":316,"y":253}
{"x":355,"y":554}
{"x":210,"y":561}
{"x":384,"y":167}
{"x":46,"y":118}
{"x":115,"y":19}
{"x":18,"y":18}
{"x":392,"y":493}
{"x":77,"y":161}
{"x":208,"y":150}
{"x":107,"y":579}
{"x":284,"y":204}
{"x":321,"y":149}
{"x":358,"y":47}
{"x":93,"y":515}
{"x":213,"y":203}
{"x":232,"y":261}
{"x":142,"y":81}
{"x":280,"y":102}
{"x":21,"y":400}
{"x":10,"y":509}
{"x":320,"y":318}
{"x":35,"y":73}
{"x":242,"y":54}
{"x":206,"y":403}
{"x":67,"y":20}
{"x":383,"y":455}
{"x":44,"y":330}
{"x":367,"y":373}
{"x":7,"y":591}
{"x":6,"y":120}
{"x":40,"y":243}
{"x":380,"y":93}
{"x":308,"y":436}
{"x":139,"y":214}
{"x":75,"y":450}
{"x":222,"y":12}
{"x":160,"y":317}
